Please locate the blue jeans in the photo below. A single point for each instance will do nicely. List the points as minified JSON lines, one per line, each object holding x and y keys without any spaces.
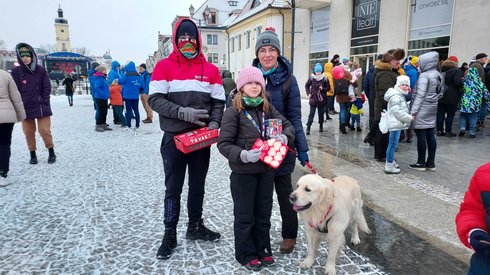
{"x":132,"y":105}
{"x":344,"y":110}
{"x":483,"y":111}
{"x":392,"y":144}
{"x":355,"y":119}
{"x":426,"y":141}
{"x":469,"y":118}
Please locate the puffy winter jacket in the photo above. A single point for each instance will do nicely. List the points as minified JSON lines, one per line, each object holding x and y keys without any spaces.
{"x":101,"y":88}
{"x":398,"y":115}
{"x":453,"y":80}
{"x":33,"y":84}
{"x":291,"y":112}
{"x":425,"y":97}
{"x":11,"y":107}
{"x":238,"y":133}
{"x":474,"y":92}
{"x":179,"y":82}
{"x":131,"y":82}
{"x":228,"y":83}
{"x":384,"y":78}
{"x":114,"y":73}
{"x":316,"y":88}
{"x":328,"y":68}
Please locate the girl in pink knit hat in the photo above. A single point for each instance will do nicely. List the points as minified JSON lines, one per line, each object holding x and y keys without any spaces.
{"x":252,"y":181}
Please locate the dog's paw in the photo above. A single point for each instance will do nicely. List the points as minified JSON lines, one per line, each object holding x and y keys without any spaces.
{"x":307,"y":263}
{"x":355,"y":240}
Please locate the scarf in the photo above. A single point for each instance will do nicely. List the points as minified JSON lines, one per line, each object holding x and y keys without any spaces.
{"x":252,"y":102}
{"x":188,"y":49}
{"x":266,"y":73}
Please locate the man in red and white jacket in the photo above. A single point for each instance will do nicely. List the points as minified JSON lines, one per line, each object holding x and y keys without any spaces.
{"x":473,"y":220}
{"x":187,"y":93}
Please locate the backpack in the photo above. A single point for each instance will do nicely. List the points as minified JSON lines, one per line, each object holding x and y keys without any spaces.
{"x":285,"y":87}
{"x":341,"y":88}
{"x":441,"y":86}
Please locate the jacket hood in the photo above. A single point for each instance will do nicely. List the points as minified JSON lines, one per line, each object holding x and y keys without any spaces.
{"x":328,"y":67}
{"x":448,"y":65}
{"x":382,"y":66}
{"x":33,"y":64}
{"x":226,"y":74}
{"x":115,"y":64}
{"x":428,"y":61}
{"x":198,"y":38}
{"x":130,"y":67}
{"x":392,"y":92}
{"x":409,"y":66}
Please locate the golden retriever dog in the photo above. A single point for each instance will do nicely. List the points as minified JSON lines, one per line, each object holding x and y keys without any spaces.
{"x":328,"y":207}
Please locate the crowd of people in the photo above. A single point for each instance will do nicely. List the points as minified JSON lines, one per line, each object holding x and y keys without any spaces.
{"x":188,"y":93}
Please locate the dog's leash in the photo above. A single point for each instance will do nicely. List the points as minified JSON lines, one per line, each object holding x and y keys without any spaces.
{"x":307,"y":164}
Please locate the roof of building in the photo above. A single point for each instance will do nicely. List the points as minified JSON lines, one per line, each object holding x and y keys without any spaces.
{"x":253,"y":7}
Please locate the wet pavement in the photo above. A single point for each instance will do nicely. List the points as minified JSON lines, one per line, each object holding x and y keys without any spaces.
{"x":99,"y":209}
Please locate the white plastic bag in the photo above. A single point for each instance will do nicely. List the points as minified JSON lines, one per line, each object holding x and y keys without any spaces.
{"x":383,"y":123}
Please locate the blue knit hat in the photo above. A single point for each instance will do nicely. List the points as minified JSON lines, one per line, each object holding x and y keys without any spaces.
{"x":318,"y":68}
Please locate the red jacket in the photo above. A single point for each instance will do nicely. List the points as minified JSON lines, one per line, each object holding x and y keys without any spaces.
{"x":472,"y":212}
{"x":179,"y":82}
{"x":116,"y":97}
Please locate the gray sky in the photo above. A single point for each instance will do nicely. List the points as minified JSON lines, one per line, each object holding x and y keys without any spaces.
{"x":128,"y":28}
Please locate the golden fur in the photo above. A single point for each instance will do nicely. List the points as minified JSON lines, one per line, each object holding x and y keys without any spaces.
{"x":337,"y":201}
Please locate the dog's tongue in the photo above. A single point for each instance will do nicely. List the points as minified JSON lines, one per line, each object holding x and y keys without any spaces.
{"x":296,"y":207}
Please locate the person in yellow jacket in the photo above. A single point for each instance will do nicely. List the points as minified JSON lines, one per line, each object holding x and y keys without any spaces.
{"x":330,"y":110}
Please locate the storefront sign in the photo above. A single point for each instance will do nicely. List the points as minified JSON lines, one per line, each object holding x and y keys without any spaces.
{"x":365,"y":20}
{"x":370,"y":40}
{"x":320,"y":26}
{"x":431,"y":18}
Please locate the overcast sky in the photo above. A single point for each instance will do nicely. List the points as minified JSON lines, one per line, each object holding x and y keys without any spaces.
{"x":128,"y":28}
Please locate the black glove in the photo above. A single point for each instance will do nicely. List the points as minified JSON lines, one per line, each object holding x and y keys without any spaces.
{"x":480,"y":241}
{"x":193,"y":115}
{"x":213,"y":125}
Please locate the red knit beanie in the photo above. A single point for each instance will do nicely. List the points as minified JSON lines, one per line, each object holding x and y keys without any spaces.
{"x":453,"y":58}
{"x":250,"y":74}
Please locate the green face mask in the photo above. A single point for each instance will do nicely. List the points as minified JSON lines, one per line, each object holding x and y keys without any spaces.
{"x":253,"y":102}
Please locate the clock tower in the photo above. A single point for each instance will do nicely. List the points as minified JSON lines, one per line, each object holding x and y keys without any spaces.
{"x":61,"y":26}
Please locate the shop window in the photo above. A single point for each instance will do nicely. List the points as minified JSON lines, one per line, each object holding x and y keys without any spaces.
{"x":215,"y":58}
{"x":429,"y":43}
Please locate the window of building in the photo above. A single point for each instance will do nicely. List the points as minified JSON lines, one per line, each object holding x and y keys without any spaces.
{"x":212,"y":39}
{"x":239,"y":42}
{"x":233,"y":3}
{"x":247,"y":42}
{"x":210,"y":57}
{"x":212,"y":18}
{"x":232,"y":44}
{"x":319,"y":57}
{"x":215,"y":58}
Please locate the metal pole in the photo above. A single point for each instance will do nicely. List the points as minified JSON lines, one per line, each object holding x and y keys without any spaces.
{"x":293,"y":6}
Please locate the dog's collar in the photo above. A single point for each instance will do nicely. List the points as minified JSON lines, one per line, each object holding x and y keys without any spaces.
{"x":324,"y":219}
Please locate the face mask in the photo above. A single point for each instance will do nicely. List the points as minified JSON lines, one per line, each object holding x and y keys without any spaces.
{"x":188,"y":49}
{"x":252,"y":102}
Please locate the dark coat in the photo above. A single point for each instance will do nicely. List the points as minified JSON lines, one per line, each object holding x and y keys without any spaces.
{"x":368,"y":84}
{"x":34,"y":86}
{"x":237,"y":133}
{"x":68,"y":82}
{"x":487,"y":76}
{"x":384,"y":78}
{"x":228,"y":83}
{"x":454,"y":82}
{"x":274,"y":84}
{"x":317,"y":87}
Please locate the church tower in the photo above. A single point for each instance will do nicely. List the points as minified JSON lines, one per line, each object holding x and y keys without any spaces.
{"x":63,"y":43}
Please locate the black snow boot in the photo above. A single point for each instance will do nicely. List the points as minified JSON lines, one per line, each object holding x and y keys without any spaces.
{"x":308,"y":130}
{"x":321,"y":127}
{"x":33,"y":158}
{"x":342,"y":129}
{"x":52,"y":156}
{"x":197,"y":231}
{"x":169,"y":242}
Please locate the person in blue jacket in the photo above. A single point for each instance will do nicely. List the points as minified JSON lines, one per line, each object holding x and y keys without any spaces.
{"x":144,"y":93}
{"x":131,"y":83}
{"x":114,"y":73}
{"x":101,"y":95}
{"x":91,"y":73}
{"x":285,"y":97}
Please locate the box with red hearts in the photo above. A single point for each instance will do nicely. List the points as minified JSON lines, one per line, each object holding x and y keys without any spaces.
{"x":272,"y":151}
{"x":195,"y":140}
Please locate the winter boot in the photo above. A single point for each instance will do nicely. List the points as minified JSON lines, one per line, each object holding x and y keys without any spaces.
{"x":358,"y":129}
{"x":391,"y":169}
{"x":33,"y":158}
{"x":197,"y":231}
{"x":99,"y":128}
{"x":308,"y":130}
{"x":52,"y":156}
{"x":321,"y":127}
{"x":106,"y":128}
{"x":342,"y":129}
{"x":169,"y":242}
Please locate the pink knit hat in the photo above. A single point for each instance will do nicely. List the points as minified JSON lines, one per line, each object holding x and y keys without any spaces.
{"x":250,"y":74}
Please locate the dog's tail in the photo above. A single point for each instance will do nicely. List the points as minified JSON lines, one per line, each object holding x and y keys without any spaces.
{"x":361,"y":221}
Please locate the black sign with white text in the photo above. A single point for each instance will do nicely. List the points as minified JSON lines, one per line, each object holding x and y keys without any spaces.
{"x":365,"y":19}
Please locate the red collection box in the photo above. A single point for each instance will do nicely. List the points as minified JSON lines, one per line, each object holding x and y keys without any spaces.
{"x":272,"y":151}
{"x":196,"y":139}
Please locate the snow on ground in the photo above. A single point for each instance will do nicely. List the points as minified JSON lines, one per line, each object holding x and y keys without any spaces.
{"x":99,"y":208}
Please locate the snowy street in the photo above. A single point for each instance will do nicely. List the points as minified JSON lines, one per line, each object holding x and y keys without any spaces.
{"x":99,"y":208}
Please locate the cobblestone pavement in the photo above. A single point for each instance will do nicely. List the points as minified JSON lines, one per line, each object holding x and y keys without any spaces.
{"x":98,"y":209}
